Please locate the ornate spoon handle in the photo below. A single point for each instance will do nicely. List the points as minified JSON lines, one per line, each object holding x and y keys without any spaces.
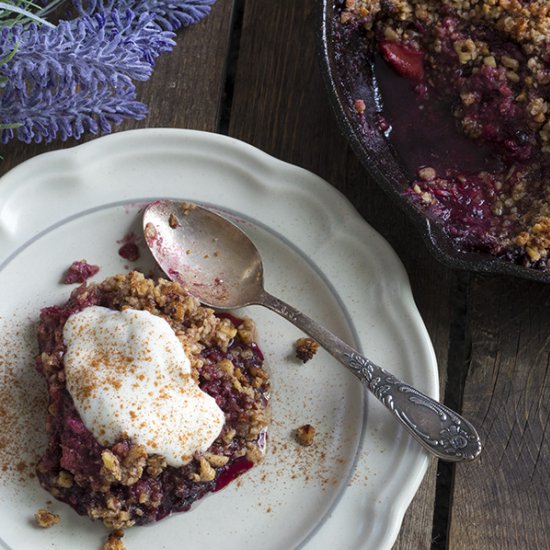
{"x":436,"y":427}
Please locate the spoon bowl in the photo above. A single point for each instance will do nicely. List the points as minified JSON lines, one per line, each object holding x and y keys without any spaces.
{"x":204,"y":253}
{"x":217,"y":263}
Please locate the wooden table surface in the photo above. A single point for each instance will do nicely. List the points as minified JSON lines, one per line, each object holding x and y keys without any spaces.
{"x":250,"y":70}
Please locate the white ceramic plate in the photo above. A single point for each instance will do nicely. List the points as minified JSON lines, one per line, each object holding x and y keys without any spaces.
{"x":351,"y":489}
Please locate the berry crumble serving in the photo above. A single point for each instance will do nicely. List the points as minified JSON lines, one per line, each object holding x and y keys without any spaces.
{"x":484,"y":65}
{"x":154,"y":401}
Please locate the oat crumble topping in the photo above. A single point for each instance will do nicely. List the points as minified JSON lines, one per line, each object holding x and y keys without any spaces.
{"x":186,"y":207}
{"x":114,"y":541}
{"x":305,"y":435}
{"x":306,"y":348}
{"x":173,"y":221}
{"x":46,"y":519}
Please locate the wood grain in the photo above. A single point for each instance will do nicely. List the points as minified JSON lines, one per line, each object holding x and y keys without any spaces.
{"x":503,"y":500}
{"x":280,"y":105}
{"x":185,"y":90}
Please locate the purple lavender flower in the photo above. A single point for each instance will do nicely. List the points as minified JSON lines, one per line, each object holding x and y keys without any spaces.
{"x":68,"y":111}
{"x":84,"y":50}
{"x":168,"y":15}
{"x":80,"y":76}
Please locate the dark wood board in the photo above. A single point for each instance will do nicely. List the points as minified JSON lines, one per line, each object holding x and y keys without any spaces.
{"x":503,"y":500}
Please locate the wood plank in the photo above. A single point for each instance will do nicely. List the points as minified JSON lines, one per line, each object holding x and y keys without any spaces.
{"x":185,"y":90}
{"x":280,"y":106}
{"x":503,"y":500}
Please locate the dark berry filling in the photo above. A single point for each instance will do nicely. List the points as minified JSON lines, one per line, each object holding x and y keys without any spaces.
{"x":464,"y":97}
{"x":79,"y":272}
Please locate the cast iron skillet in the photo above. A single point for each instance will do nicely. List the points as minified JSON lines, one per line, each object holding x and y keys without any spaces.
{"x":346,"y":79}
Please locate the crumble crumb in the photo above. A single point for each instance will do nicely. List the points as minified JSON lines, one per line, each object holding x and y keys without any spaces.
{"x":46,"y":519}
{"x":305,"y":435}
{"x":216,"y":460}
{"x":114,"y":541}
{"x":173,"y":221}
{"x":306,"y":348}
{"x":155,"y":465}
{"x":536,"y":239}
{"x":186,"y":207}
{"x":427,"y":173}
{"x":206,"y":472}
{"x":359,"y":105}
{"x":150,"y":231}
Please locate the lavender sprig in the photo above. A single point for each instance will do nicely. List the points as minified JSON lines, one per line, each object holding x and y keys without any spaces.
{"x":80,"y":76}
{"x":69,"y":112}
{"x":102,"y":66}
{"x":83,"y":51}
{"x":168,"y":15}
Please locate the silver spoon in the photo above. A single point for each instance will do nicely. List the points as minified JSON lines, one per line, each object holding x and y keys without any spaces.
{"x":220,"y":265}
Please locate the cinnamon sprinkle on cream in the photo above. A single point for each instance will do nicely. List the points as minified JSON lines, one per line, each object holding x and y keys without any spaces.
{"x":135,"y":354}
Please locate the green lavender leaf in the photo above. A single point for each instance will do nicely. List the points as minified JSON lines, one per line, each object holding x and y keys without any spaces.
{"x":22,"y":12}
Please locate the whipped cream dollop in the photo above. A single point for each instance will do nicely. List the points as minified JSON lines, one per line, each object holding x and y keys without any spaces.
{"x":128,"y":374}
